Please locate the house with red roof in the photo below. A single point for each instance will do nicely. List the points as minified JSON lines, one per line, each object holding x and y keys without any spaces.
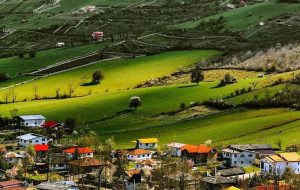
{"x":51,"y":124}
{"x":138,"y":154}
{"x":83,"y":152}
{"x":197,"y":153}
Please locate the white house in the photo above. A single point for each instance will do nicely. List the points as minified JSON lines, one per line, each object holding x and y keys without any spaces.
{"x":174,"y":148}
{"x":60,"y":44}
{"x":147,"y":144}
{"x":138,"y":154}
{"x":31,"y":120}
{"x":245,"y":154}
{"x":83,"y":152}
{"x":279,"y":163}
{"x":13,"y":157}
{"x":236,"y":158}
{"x":32,"y":139}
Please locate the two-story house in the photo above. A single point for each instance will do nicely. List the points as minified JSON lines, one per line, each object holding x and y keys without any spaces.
{"x":242,"y":155}
{"x":174,"y":148}
{"x":32,"y":139}
{"x":138,"y":154}
{"x":147,"y":144}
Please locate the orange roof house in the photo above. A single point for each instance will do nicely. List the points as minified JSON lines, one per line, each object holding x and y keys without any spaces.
{"x":41,"y":148}
{"x":201,"y":149}
{"x":12,"y":185}
{"x":197,"y":153}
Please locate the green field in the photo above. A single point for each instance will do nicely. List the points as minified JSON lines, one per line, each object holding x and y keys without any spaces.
{"x":14,"y":65}
{"x":121,"y":74}
{"x":239,"y":19}
{"x":246,"y":126}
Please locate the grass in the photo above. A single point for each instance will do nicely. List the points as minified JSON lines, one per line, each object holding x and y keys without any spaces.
{"x":14,"y":65}
{"x":119,"y":74}
{"x":239,"y":19}
{"x":249,"y":126}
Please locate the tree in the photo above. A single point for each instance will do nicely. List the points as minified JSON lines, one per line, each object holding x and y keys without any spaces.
{"x":70,"y":124}
{"x":32,"y":54}
{"x":197,"y":75}
{"x":21,"y":54}
{"x":135,"y":102}
{"x":4,"y":76}
{"x":182,"y":106}
{"x":97,"y":77}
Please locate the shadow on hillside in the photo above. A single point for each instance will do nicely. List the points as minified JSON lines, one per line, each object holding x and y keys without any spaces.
{"x":90,"y":84}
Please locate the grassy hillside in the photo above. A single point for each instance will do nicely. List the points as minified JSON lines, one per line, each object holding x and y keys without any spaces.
{"x":119,"y":74}
{"x":14,"y":65}
{"x":255,"y":126}
{"x":240,"y":18}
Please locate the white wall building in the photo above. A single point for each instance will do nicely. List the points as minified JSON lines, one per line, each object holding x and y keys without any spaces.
{"x":174,"y":148}
{"x":236,"y":158}
{"x":139,"y":154}
{"x":147,"y":144}
{"x":32,"y":139}
{"x":278,"y":164}
{"x":13,"y":157}
{"x":31,"y":120}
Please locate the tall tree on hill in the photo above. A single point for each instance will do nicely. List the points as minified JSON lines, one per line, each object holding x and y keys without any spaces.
{"x":97,"y":77}
{"x":135,"y":102}
{"x":197,"y":75}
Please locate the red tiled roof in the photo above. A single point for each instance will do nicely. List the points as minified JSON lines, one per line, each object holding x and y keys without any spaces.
{"x":138,"y":152}
{"x":10,"y":183}
{"x":83,"y":150}
{"x":41,"y":148}
{"x":133,"y":172}
{"x":196,"y":148}
{"x":50,"y":124}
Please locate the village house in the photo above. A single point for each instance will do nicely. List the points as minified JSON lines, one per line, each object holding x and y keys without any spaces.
{"x":147,"y":144}
{"x":41,"y":150}
{"x":83,"y":152}
{"x":199,"y":154}
{"x":279,"y":163}
{"x":31,"y":120}
{"x":133,"y":179}
{"x":138,"y":154}
{"x":174,"y":148}
{"x":58,"y":161}
{"x":11,"y":185}
{"x":61,"y":185}
{"x":51,"y":125}
{"x":85,"y":165}
{"x":13,"y":157}
{"x":245,"y":155}
{"x":32,"y":139}
{"x":148,"y":163}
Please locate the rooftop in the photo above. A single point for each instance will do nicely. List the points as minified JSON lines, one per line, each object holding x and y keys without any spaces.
{"x":251,"y":146}
{"x":41,"y":148}
{"x":50,"y":124}
{"x":32,"y":117}
{"x":29,"y":136}
{"x":290,"y":156}
{"x":138,"y":152}
{"x":274,"y":158}
{"x":82,"y":150}
{"x":10,"y":183}
{"x":148,"y":140}
{"x":86,"y":162}
{"x":196,"y":148}
{"x":218,"y":180}
{"x":175,"y":145}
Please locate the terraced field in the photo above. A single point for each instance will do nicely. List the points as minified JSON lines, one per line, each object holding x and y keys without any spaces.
{"x":247,"y":17}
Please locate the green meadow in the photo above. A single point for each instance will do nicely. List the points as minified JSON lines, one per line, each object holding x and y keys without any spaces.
{"x":14,"y":65}
{"x":120,"y":74}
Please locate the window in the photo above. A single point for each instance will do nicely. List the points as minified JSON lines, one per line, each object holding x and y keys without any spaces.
{"x":36,"y":140}
{"x":242,"y":155}
{"x":43,"y":139}
{"x":235,"y":155}
{"x":30,"y":141}
{"x":249,"y":162}
{"x":26,"y":123}
{"x":234,"y":162}
{"x":250,"y":155}
{"x":242,"y":162}
{"x":146,"y":144}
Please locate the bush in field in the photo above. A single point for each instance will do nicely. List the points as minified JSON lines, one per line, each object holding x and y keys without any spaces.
{"x":97,"y":77}
{"x":4,"y":76}
{"x":228,"y":79}
{"x":135,"y":102}
{"x":32,"y":54}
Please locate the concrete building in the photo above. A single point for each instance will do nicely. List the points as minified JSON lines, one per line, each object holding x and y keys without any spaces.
{"x":32,"y":139}
{"x":31,"y":120}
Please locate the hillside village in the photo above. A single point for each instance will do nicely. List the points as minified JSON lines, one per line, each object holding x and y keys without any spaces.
{"x":36,"y":160}
{"x":149,"y":95}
